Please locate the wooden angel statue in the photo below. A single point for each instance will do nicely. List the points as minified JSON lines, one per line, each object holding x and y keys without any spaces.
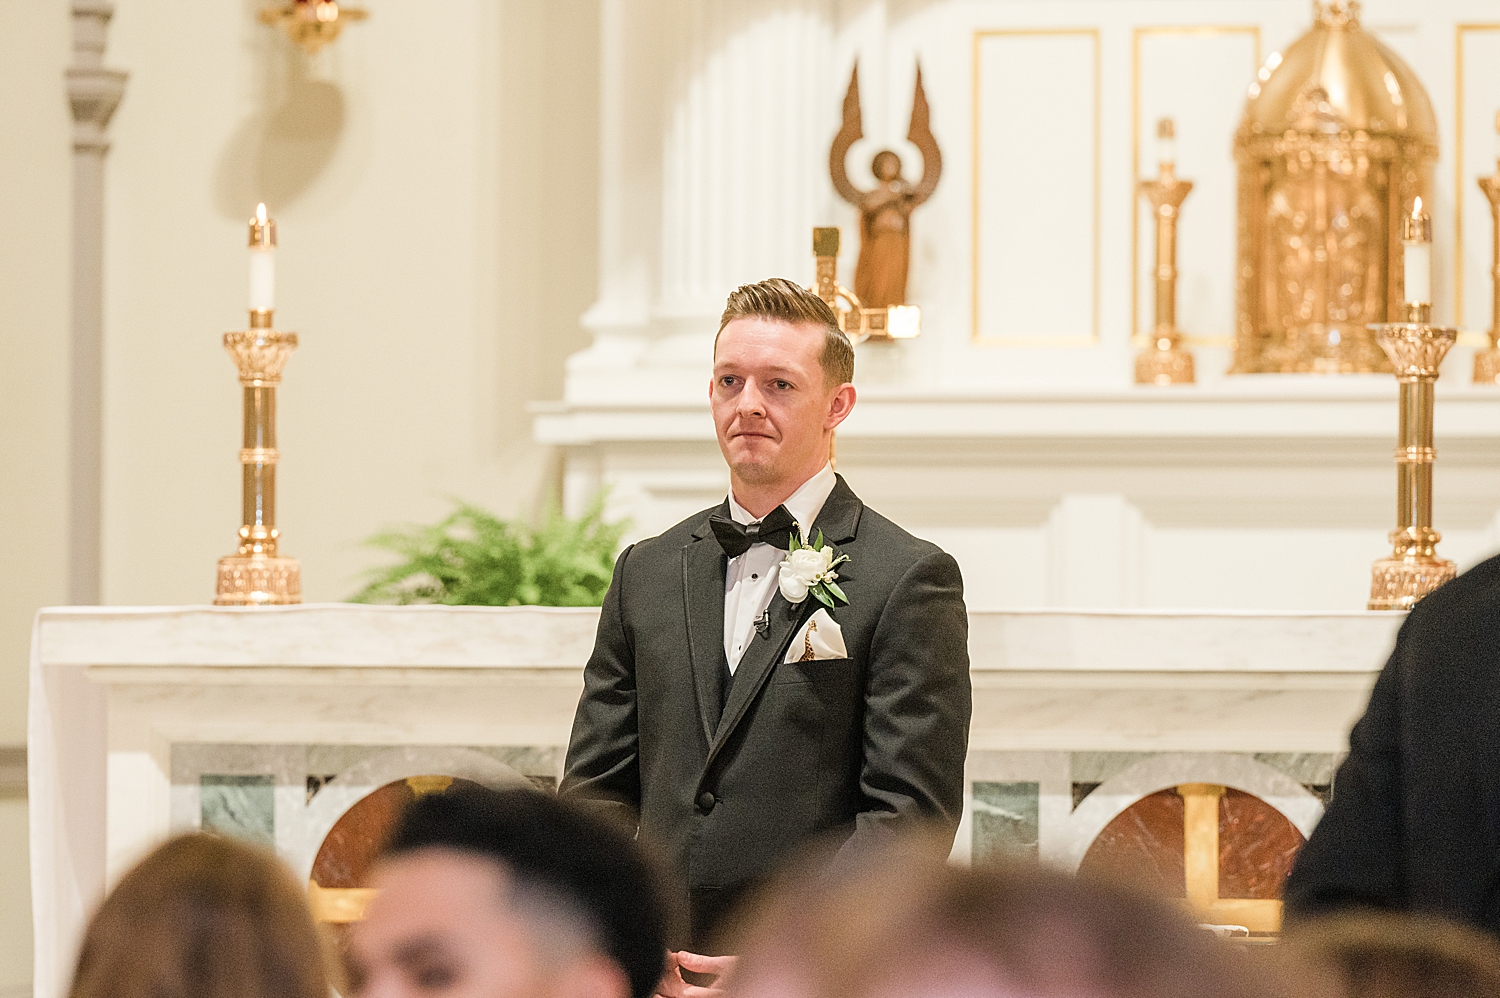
{"x":885,"y":211}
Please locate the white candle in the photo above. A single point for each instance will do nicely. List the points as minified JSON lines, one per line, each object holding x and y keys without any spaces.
{"x":1166,"y":144}
{"x":262,"y":261}
{"x":1416,"y":245}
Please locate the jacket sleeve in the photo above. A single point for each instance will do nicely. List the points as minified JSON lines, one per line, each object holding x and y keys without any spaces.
{"x":603,"y":763}
{"x":1354,"y":857}
{"x":918,"y":700}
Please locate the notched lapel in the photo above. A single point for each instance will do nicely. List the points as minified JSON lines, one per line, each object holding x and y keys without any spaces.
{"x":703,"y":564}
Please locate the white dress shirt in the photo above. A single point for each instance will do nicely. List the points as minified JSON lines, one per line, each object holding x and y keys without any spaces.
{"x":750,"y":580}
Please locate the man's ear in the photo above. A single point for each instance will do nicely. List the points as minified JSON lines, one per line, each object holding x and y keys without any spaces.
{"x":840,"y":404}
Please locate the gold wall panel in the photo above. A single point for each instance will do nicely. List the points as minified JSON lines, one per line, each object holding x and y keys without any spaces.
{"x":1474,"y":74}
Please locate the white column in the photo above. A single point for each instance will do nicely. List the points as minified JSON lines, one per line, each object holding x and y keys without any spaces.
{"x":93,"y":92}
{"x":715,"y":120}
{"x":751,"y":109}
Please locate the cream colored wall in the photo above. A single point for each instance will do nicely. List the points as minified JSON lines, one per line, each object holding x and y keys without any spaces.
{"x":35,"y":158}
{"x":433,"y":176}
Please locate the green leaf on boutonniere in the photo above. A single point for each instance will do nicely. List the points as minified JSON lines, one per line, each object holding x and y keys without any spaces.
{"x":833,"y":587}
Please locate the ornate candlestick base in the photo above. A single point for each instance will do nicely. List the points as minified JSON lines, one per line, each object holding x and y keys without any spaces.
{"x":258,"y":580}
{"x":256,"y":575}
{"x":1164,"y":363}
{"x":1413,"y":570}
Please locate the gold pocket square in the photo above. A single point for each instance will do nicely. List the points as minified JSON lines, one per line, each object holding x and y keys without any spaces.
{"x":820,"y":638}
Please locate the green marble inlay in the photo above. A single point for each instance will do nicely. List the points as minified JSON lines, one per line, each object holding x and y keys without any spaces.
{"x":242,"y":807}
{"x":1005,"y":821}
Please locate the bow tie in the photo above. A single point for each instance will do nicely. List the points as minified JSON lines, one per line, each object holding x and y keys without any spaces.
{"x":735,"y":538}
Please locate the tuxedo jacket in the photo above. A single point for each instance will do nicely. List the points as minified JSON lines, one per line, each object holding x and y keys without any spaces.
{"x":851,"y":749}
{"x":1414,"y":822}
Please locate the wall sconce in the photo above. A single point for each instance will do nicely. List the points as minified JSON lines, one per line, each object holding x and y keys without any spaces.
{"x":311,"y":23}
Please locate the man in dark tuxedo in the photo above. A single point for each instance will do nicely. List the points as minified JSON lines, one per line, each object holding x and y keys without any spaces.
{"x":1414,"y":823}
{"x":727,"y":712}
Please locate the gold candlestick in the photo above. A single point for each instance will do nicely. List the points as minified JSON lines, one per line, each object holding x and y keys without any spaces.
{"x":257,"y":575}
{"x":895,"y":322}
{"x":1487,"y":362}
{"x":1413,"y":570}
{"x":1164,"y":362}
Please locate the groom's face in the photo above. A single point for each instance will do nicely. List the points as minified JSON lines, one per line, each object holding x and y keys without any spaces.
{"x":769,"y":398}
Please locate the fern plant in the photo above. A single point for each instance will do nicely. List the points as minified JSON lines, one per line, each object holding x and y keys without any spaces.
{"x":474,"y":558}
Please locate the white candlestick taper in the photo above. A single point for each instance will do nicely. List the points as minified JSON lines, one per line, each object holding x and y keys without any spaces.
{"x":262,"y":261}
{"x":1416,"y":245}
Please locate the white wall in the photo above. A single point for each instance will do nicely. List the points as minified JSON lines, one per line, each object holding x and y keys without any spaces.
{"x":433,"y":180}
{"x":35,"y":191}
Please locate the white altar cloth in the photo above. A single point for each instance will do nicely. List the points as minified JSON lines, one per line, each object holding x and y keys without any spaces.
{"x":113,"y":689}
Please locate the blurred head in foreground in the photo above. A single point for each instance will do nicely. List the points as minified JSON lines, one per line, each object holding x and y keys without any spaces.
{"x":203,"y":917}
{"x":914,"y":928}
{"x":1386,"y":955}
{"x":507,"y":894}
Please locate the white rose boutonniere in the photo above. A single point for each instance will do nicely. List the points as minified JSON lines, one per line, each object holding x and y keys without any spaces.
{"x":809,"y":568}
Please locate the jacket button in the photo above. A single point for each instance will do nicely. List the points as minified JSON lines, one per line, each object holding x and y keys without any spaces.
{"x":706,"y":801}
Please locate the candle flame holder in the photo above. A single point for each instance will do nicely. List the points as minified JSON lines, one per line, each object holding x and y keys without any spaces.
{"x":257,"y":575}
{"x":311,"y":23}
{"x":1416,"y":349}
{"x":895,"y":322}
{"x":1164,"y":362}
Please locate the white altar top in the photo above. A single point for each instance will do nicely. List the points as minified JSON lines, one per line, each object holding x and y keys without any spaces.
{"x":124,"y":698}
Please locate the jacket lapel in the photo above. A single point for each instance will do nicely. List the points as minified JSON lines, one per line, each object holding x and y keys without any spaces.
{"x":703,"y":565}
{"x":838,"y":520}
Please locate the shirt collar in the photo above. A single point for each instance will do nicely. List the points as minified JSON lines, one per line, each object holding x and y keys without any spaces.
{"x":805,"y":504}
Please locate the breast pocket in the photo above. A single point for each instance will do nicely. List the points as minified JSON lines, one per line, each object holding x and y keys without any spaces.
{"x":816,"y":671}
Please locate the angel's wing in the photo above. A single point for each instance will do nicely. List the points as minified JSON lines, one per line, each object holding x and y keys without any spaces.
{"x":851,"y":132}
{"x":920,"y":135}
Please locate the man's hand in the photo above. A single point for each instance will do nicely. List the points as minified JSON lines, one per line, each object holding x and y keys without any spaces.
{"x":673,"y":986}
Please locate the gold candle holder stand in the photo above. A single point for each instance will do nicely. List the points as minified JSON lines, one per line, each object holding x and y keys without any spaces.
{"x":896,"y":322}
{"x":256,"y":575}
{"x":1164,"y":362}
{"x":1416,"y":349}
{"x":1487,"y":361}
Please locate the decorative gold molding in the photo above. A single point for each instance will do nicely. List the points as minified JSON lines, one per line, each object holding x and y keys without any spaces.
{"x":1037,"y":341}
{"x":1458,"y":163}
{"x":1137,"y":338}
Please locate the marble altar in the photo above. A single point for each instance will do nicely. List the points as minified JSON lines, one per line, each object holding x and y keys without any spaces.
{"x":271,"y":723}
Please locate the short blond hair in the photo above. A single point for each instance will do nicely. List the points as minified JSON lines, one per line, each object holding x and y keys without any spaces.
{"x":788,"y":301}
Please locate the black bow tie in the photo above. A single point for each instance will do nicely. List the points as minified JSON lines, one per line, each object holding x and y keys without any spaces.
{"x":735,"y":538}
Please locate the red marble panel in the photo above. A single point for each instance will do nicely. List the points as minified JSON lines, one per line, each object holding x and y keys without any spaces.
{"x":1257,"y":845}
{"x":349,"y":850}
{"x":1143,"y":846}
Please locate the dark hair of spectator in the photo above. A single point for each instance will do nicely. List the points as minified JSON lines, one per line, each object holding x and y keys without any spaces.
{"x":553,"y":850}
{"x":203,"y":917}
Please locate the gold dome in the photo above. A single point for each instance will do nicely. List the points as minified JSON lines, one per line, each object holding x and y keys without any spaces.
{"x":1337,"y":140}
{"x":1339,"y":78}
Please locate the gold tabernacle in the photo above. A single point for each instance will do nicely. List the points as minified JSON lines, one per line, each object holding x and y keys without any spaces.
{"x":1487,"y":361}
{"x":1413,"y":570}
{"x":257,"y":575}
{"x":1338,"y":134}
{"x":1164,"y":362}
